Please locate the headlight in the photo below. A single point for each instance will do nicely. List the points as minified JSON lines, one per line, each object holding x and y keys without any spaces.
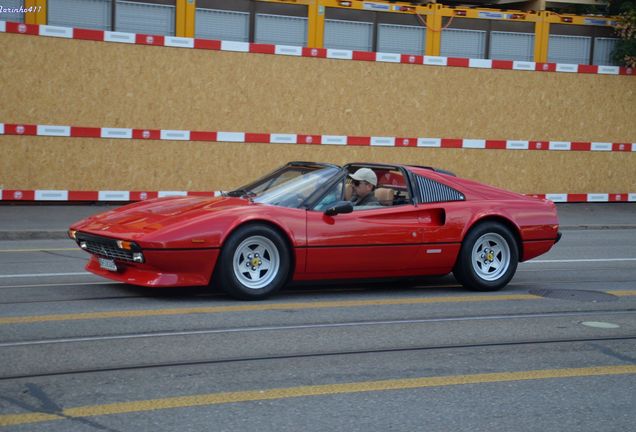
{"x":121,"y":244}
{"x":72,"y":234}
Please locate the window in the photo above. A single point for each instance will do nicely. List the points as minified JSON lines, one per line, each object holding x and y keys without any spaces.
{"x":511,"y":46}
{"x":569,"y":49}
{"x":392,"y":190}
{"x":293,"y":187}
{"x":222,"y":25}
{"x":348,"y":35}
{"x":278,"y":180}
{"x":290,"y":185}
{"x":401,"y":39}
{"x":603,"y":48}
{"x":281,"y":30}
{"x":463,"y":43}
{"x":145,"y":18}
{"x":333,"y":195}
{"x":92,"y":14}
{"x":13,"y":16}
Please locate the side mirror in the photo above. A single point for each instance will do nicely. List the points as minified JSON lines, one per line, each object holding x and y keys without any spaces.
{"x":339,"y":207}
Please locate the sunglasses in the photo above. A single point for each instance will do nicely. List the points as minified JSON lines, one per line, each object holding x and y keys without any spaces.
{"x":356,"y":183}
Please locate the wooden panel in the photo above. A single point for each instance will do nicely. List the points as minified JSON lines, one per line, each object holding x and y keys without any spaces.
{"x":118,"y":85}
{"x":85,"y":83}
{"x":29,"y":162}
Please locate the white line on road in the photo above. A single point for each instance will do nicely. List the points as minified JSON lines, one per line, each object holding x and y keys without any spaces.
{"x":65,"y":284}
{"x":527,"y":262}
{"x":579,"y":260}
{"x":42,"y":275}
{"x":311,"y":326}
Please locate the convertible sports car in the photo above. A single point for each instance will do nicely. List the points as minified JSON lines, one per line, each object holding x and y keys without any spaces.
{"x":299,"y":224}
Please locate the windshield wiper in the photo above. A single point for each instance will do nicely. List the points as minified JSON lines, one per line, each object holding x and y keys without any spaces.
{"x":241,"y":193}
{"x":236,"y":193}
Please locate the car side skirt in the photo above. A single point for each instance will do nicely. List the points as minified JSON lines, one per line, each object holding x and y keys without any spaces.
{"x":345,"y":262}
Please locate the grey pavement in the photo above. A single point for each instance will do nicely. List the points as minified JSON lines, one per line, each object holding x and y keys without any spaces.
{"x":44,"y":221}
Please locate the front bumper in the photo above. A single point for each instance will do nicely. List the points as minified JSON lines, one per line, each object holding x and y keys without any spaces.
{"x":162,"y":268}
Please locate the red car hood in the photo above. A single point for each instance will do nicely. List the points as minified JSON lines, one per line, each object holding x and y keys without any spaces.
{"x":142,"y":219}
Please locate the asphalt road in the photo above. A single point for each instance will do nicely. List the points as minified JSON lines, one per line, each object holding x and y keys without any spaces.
{"x":554,"y":351}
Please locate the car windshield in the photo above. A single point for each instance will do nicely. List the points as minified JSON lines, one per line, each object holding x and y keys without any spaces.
{"x":289,"y":186}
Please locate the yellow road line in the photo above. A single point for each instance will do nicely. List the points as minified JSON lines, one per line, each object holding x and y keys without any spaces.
{"x":623,"y":293}
{"x":259,"y":307}
{"x":308,"y":391}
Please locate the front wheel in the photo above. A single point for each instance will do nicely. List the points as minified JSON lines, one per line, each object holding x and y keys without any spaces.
{"x":254,"y":263}
{"x":488,"y":258}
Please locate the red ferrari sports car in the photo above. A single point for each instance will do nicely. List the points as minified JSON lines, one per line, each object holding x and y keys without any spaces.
{"x":301,"y":223}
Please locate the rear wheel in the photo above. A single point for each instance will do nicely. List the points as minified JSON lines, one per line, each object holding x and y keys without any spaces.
{"x":488,"y":258}
{"x":254,"y":263}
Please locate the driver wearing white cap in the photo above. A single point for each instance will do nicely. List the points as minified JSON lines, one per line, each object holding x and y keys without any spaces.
{"x":364,"y":183}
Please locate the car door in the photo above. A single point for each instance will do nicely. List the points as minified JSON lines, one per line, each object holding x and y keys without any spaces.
{"x":370,"y":242}
{"x":410,"y":237}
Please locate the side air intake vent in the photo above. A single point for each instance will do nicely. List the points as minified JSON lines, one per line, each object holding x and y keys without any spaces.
{"x":432,"y":191}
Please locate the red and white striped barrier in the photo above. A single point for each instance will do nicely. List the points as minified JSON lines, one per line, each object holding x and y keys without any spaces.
{"x":105,"y":196}
{"x":245,"y":47}
{"x":590,"y":197}
{"x":128,"y":196}
{"x":285,"y":138}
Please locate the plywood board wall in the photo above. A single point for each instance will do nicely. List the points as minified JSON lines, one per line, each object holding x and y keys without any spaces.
{"x":86,"y":83}
{"x":52,"y":81}
{"x":99,"y":164}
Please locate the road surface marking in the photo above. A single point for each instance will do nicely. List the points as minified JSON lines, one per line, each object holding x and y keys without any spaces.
{"x":622,"y":293}
{"x":58,"y":285}
{"x":261,"y":307}
{"x":579,"y":260}
{"x":27,"y":275}
{"x":304,"y":327}
{"x":309,"y":391}
{"x":42,"y":250}
{"x":276,"y":306}
{"x":600,"y":324}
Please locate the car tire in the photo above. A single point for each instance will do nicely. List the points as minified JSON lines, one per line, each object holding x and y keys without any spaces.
{"x":488,"y":257}
{"x":254,"y":263}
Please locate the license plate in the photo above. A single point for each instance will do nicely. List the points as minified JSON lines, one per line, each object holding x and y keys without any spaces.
{"x":107,"y":264}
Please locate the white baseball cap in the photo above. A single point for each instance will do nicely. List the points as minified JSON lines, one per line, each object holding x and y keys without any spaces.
{"x":365,"y":174}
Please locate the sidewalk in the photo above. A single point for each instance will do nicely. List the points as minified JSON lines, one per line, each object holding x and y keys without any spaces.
{"x":42,"y":221}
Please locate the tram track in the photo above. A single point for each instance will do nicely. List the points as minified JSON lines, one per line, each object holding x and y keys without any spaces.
{"x":307,"y":355}
{"x":72,"y":343}
{"x":499,"y":317}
